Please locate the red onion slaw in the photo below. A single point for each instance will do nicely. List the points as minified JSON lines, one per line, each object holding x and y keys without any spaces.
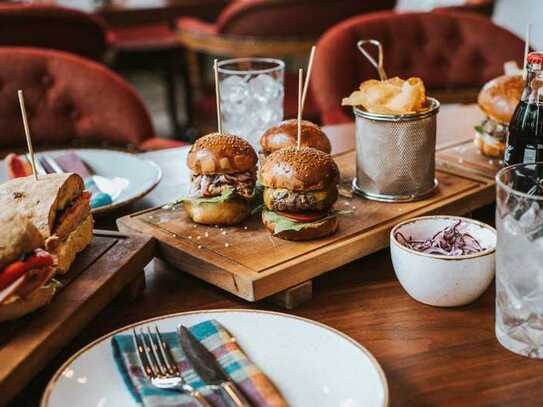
{"x":448,"y":242}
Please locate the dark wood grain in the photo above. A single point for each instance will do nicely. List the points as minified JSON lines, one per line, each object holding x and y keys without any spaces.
{"x":98,"y":275}
{"x":431,"y":356}
{"x":269,"y":265}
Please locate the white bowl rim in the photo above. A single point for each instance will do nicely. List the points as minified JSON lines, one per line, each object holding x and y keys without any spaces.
{"x":485,"y":252}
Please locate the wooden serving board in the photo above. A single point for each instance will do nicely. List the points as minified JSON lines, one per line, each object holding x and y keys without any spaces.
{"x":249,"y":262}
{"x":110,"y":264}
{"x":466,"y":158}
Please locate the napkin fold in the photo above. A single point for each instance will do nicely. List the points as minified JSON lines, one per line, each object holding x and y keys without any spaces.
{"x":258,"y":389}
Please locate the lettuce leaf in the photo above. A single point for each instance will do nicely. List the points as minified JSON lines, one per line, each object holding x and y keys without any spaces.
{"x":284,"y":224}
{"x":227,"y":194}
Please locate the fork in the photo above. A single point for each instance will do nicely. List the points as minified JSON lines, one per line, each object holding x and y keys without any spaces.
{"x":159,"y":366}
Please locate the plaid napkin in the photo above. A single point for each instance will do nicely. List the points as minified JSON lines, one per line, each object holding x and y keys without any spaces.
{"x":249,"y":378}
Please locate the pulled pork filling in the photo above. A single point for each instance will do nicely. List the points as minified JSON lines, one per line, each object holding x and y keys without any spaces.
{"x":213,"y":185}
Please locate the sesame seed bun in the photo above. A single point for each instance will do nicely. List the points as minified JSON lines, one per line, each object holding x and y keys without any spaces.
{"x":285,"y":134}
{"x":499,"y":97}
{"x":221,"y":154}
{"x":303,"y":169}
{"x":326,"y":228}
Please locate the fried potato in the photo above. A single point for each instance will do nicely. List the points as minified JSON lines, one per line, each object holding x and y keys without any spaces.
{"x":393,"y":96}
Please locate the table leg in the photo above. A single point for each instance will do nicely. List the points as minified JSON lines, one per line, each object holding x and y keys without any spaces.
{"x":294,"y":296}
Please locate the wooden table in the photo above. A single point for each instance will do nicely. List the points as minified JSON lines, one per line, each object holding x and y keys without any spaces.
{"x":431,"y":356}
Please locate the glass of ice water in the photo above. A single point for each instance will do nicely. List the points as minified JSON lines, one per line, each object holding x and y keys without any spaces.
{"x":519,"y":259}
{"x":252,"y":94}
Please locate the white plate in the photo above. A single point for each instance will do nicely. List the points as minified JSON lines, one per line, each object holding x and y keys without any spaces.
{"x":143,"y":175}
{"x":311,"y":364}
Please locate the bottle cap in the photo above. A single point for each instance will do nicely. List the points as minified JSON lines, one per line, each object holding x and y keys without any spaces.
{"x":535,"y":58}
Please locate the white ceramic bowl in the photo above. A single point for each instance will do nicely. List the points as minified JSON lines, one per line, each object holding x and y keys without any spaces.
{"x":443,"y":281}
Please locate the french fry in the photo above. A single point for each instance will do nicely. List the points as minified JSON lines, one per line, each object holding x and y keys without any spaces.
{"x":393,"y":96}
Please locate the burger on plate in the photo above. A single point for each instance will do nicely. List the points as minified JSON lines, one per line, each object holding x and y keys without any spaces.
{"x":285,"y":134}
{"x":498,"y":100}
{"x":300,"y":188}
{"x":223,"y":180}
{"x":26,"y":269}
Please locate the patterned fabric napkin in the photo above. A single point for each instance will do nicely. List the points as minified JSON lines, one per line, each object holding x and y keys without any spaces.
{"x":248,"y":377}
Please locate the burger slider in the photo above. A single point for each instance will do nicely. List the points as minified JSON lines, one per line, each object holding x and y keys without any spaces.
{"x":300,"y":188}
{"x":285,"y":134}
{"x":58,"y":206}
{"x":498,"y":100}
{"x":26,"y":270}
{"x":223,"y":180}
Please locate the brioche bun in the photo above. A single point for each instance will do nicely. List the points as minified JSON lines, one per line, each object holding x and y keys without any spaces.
{"x":229,"y":212}
{"x":303,"y":169}
{"x":23,"y":306}
{"x":221,"y":154}
{"x":285,"y":134}
{"x":499,"y":97}
{"x":326,"y":228}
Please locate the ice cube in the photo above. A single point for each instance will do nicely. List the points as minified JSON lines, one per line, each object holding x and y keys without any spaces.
{"x":530,"y":217}
{"x":234,"y":89}
{"x":510,"y":225}
{"x":264,"y":88}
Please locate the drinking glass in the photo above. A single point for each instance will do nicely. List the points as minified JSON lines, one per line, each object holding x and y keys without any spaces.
{"x":251,"y":96}
{"x":519,"y":259}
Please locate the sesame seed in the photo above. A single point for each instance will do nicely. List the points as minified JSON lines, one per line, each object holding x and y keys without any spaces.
{"x":227,"y":245}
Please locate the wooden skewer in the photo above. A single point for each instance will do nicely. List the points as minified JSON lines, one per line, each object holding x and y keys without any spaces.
{"x":526,"y":49}
{"x":308,"y":75}
{"x":300,"y":106}
{"x":27,"y":134}
{"x":218,"y":97}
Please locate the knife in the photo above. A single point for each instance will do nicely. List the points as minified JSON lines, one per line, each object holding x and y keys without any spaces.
{"x":206,"y":366}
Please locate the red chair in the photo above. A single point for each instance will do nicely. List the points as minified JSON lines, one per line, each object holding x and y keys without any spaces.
{"x":44,"y":26}
{"x":275,"y":28}
{"x":449,"y":51}
{"x":70,"y":100}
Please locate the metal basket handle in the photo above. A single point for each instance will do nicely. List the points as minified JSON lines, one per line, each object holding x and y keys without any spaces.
{"x":377,"y":64}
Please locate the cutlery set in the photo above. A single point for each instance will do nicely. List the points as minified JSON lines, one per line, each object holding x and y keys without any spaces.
{"x":161,"y":370}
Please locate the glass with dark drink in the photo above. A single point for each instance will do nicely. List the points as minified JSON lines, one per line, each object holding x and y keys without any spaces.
{"x":525,"y":139}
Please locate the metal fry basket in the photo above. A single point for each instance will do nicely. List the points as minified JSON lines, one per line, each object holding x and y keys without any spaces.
{"x":395,"y":154}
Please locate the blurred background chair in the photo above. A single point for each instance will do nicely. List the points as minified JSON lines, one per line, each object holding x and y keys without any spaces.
{"x":454,"y":53}
{"x":70,"y":101}
{"x":146,"y":39}
{"x":64,"y":29}
{"x":273,"y":28}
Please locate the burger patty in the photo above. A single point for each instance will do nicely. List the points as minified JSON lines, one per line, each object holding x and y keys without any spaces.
{"x":213,"y":185}
{"x":291,"y":201}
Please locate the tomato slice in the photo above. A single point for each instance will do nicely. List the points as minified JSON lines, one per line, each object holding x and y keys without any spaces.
{"x":40,"y":258}
{"x":303,"y":217}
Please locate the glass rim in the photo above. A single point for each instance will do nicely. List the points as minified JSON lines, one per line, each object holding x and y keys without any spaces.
{"x":511,"y":190}
{"x":279,"y":65}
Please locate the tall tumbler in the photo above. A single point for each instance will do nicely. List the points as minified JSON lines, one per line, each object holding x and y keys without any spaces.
{"x":252,"y":93}
{"x":519,"y":259}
